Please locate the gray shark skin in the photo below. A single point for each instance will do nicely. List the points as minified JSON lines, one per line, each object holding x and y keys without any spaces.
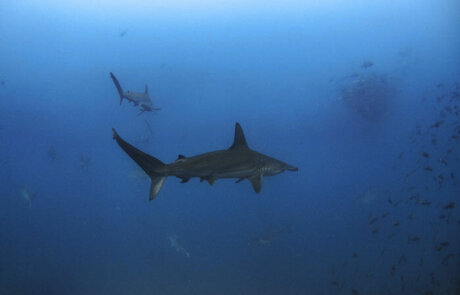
{"x":137,"y":98}
{"x":239,"y":161}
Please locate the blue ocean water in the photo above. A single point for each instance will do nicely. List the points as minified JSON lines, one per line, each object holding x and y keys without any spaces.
{"x":362,"y":96}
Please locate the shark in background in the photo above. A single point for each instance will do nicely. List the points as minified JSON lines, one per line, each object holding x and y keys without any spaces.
{"x":27,"y":195}
{"x":238,"y":161}
{"x":173,"y":243}
{"x":137,"y":98}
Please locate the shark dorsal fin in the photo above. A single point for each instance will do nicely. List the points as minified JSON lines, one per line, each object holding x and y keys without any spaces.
{"x":239,"y":140}
{"x":146,"y":89}
{"x":180,"y":158}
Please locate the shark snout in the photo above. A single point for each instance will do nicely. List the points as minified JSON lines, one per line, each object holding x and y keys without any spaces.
{"x":291,"y":168}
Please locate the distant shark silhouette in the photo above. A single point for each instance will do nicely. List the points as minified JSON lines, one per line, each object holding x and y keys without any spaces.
{"x":239,"y":161}
{"x":28,"y":196}
{"x":137,"y":98}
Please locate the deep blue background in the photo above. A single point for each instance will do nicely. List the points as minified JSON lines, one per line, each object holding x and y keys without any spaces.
{"x":276,"y":69}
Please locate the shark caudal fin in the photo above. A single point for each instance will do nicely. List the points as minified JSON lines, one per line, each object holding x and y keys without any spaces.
{"x":117,"y":84}
{"x":149,"y":164}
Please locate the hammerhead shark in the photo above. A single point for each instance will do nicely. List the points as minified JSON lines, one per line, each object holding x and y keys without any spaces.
{"x":238,"y":161}
{"x":137,"y":98}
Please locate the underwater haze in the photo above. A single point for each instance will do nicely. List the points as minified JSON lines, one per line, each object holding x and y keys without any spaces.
{"x":362,"y":96}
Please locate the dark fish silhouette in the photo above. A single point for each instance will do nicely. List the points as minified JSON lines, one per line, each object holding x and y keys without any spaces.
{"x":437,"y":124}
{"x":367,"y":64}
{"x":451,"y":205}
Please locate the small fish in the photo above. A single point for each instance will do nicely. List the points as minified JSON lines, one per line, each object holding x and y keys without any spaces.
{"x":437,"y":124}
{"x":452,"y":175}
{"x":413,"y":239}
{"x":396,"y":223}
{"x":451,"y":205}
{"x":373,"y":220}
{"x":390,"y":201}
{"x":384,"y":214}
{"x":338,"y":285}
{"x":367,"y":64}
{"x":376,"y":230}
{"x":425,"y":203}
{"x":393,"y":270}
{"x":355,"y":255}
{"x":52,"y":153}
{"x":442,"y":245}
{"x":442,"y":216}
{"x":428,"y":168}
{"x":425,"y":154}
{"x":402,"y":259}
{"x":432,"y":278}
{"x":442,"y":161}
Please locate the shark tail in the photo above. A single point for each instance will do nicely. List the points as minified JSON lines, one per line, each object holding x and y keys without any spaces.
{"x":117,"y":84}
{"x":149,"y":164}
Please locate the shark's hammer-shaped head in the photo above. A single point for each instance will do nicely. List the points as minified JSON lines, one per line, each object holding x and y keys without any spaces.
{"x":267,"y":166}
{"x":270,"y":166}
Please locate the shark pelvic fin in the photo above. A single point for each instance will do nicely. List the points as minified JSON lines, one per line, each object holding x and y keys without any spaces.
{"x":239,"y":141}
{"x":155,"y":186}
{"x":211,"y":179}
{"x":256,"y":181}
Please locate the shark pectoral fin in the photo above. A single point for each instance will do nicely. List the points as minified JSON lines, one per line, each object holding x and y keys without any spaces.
{"x":256,"y":181}
{"x":155,"y":186}
{"x":211,"y":179}
{"x":184,"y":180}
{"x":201,"y":179}
{"x":240,"y":179}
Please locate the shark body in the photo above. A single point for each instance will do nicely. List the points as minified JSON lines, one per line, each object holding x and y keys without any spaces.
{"x":137,"y":98}
{"x":239,"y":161}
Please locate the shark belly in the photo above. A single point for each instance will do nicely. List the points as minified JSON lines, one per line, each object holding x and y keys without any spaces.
{"x":219,"y":164}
